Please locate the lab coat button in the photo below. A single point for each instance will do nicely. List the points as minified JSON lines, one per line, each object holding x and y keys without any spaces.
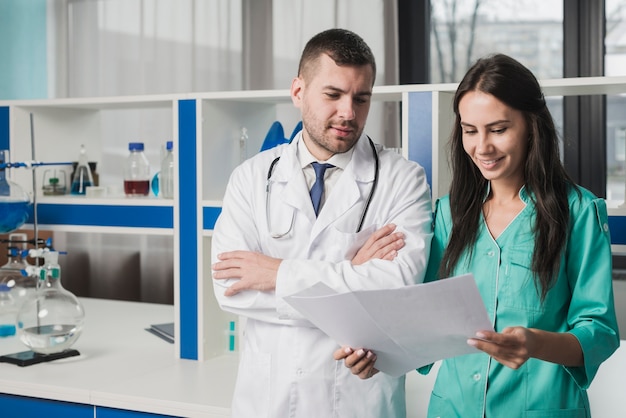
{"x":300,"y":373}
{"x":476,"y":377}
{"x":490,"y":253}
{"x":606,"y":227}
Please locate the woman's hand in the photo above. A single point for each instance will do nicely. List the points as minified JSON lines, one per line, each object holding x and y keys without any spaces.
{"x":515,"y":345}
{"x":360,"y":362}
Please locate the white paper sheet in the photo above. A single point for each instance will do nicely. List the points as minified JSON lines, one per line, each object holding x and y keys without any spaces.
{"x":407,"y":327}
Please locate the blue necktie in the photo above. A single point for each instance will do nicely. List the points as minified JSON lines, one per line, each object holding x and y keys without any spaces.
{"x":318,"y":186}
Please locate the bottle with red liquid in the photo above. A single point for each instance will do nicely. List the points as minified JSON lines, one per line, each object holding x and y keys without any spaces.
{"x":136,"y":171}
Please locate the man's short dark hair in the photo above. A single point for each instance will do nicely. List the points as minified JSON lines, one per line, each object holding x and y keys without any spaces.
{"x":343,"y":46}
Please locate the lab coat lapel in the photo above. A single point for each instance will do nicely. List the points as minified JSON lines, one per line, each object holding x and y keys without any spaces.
{"x":347,"y":191}
{"x":289,"y":183}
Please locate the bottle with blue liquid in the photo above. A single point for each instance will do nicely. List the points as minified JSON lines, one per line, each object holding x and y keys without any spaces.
{"x":14,"y":202}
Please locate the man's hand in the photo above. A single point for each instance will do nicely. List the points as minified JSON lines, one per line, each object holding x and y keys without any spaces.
{"x":382,"y":244}
{"x":255,"y":271}
{"x":360,"y":362}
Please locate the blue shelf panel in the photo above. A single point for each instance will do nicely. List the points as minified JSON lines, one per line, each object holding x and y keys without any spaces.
{"x":104,"y":215}
{"x":188,"y":221}
{"x":209,"y":217}
{"x":421,"y":131}
{"x":617,"y":226}
{"x":4,"y":127}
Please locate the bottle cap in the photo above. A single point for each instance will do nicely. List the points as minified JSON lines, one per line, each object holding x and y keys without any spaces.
{"x":169,"y":145}
{"x":135,"y":146}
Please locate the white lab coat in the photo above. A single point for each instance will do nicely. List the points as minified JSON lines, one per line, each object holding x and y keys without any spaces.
{"x":286,"y":366}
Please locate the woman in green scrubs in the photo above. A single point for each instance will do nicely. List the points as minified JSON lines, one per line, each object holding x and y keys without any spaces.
{"x":539,"y":248}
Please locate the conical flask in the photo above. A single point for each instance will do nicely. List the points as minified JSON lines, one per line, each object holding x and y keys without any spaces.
{"x":14,"y":202}
{"x":82,"y":175}
{"x":52,"y":320}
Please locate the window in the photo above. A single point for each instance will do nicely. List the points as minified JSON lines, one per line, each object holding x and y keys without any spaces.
{"x":615,"y":65}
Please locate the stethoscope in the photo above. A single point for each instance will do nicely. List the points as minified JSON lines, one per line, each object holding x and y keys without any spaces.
{"x":293,"y":214}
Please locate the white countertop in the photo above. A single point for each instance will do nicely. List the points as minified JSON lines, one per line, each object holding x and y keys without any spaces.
{"x":123,"y":366}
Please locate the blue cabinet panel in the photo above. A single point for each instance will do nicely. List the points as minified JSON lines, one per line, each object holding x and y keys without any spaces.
{"x":13,"y":406}
{"x":102,"y":412}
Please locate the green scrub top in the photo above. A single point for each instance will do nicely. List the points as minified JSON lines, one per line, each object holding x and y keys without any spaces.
{"x":581,"y":302}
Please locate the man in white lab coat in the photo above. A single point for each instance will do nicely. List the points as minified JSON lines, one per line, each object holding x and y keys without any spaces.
{"x":269,"y":243}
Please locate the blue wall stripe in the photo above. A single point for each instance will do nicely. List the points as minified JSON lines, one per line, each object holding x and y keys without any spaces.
{"x":421,"y":131}
{"x":4,"y":127}
{"x":209,"y":217}
{"x":188,"y":204}
{"x":104,"y":215}
{"x":617,"y":226}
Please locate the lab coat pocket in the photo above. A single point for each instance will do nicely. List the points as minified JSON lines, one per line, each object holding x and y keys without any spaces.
{"x":348,"y":243}
{"x":252,"y":391}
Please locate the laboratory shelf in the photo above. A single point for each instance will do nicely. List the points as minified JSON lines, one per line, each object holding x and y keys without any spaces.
{"x":206,"y":129}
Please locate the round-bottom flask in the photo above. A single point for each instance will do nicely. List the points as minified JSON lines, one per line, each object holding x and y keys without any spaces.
{"x":52,"y":320}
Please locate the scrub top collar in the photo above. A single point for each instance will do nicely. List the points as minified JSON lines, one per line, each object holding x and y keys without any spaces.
{"x":523,"y":193}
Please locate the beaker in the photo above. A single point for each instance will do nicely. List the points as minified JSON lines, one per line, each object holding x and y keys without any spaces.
{"x":54,"y":182}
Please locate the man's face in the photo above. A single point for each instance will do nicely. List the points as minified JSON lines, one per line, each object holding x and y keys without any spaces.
{"x":334,"y":102}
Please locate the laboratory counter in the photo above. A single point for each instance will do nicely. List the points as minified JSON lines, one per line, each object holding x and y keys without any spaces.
{"x":120,"y":366}
{"x":125,"y":371}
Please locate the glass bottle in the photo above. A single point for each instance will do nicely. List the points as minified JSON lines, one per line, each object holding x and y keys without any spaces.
{"x":82,"y":175}
{"x":14,"y":202}
{"x":52,"y":319}
{"x":136,"y":171}
{"x":166,"y":183}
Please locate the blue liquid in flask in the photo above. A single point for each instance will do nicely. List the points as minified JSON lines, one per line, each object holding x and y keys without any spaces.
{"x":12,"y":215}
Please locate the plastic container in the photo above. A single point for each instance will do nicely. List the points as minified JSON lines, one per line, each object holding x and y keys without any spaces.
{"x":8,"y":312}
{"x":166,"y":181}
{"x":136,"y":171}
{"x":52,"y":319}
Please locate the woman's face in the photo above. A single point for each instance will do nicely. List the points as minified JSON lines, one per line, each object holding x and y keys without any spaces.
{"x":495,"y":137}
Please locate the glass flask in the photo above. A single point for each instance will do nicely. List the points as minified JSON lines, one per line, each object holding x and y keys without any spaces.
{"x":82,"y":175}
{"x":8,"y":312}
{"x":14,"y":202}
{"x":52,"y":319}
{"x":15,"y":272}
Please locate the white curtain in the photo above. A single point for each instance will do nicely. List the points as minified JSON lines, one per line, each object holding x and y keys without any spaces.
{"x":133,"y":47}
{"x":136,"y":47}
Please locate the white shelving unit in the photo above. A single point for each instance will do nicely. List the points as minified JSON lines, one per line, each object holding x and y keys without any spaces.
{"x":205,"y":129}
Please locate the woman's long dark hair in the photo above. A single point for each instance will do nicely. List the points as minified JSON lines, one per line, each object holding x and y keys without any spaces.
{"x":546,"y":181}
